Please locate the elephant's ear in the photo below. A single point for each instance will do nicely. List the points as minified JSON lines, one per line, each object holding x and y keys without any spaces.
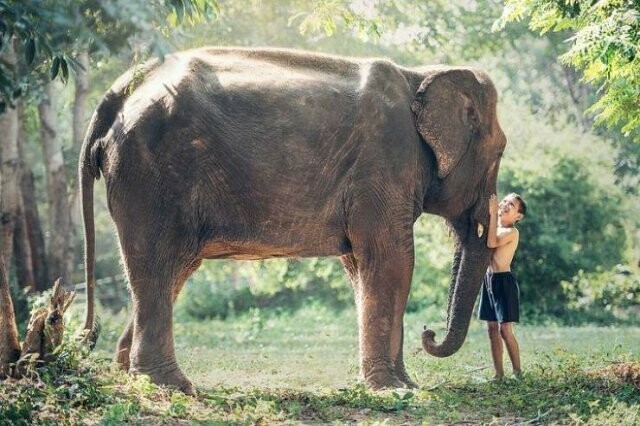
{"x":447,"y":115}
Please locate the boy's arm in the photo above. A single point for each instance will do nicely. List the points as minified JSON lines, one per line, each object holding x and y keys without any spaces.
{"x":492,"y":234}
{"x":505,"y":236}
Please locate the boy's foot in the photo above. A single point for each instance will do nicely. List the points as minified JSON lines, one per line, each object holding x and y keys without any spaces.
{"x":497,"y":379}
{"x":518,"y":375}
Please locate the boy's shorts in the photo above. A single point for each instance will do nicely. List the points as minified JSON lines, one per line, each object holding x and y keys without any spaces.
{"x":500,"y":300}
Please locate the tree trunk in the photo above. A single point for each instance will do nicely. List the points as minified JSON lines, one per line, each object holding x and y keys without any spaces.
{"x":61,"y":245}
{"x":79,"y":128}
{"x":21,"y":245}
{"x":9,"y":166}
{"x":34,"y":229}
{"x":9,"y":344}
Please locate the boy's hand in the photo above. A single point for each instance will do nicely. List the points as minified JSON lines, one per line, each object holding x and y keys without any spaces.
{"x":493,"y":205}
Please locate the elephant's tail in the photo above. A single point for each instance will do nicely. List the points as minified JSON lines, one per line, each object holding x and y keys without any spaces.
{"x":89,"y":167}
{"x":102,"y":127}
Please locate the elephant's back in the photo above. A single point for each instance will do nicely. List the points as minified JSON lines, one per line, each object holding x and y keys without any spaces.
{"x":233,"y":90}
{"x":227,"y":120}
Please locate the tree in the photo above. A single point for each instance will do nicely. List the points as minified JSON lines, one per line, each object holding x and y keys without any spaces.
{"x":28,"y":268}
{"x":61,"y":35}
{"x":10,"y":173}
{"x":604,"y":43}
{"x":9,"y":344}
{"x":54,"y":32}
{"x":62,"y":240}
{"x":575,"y":223}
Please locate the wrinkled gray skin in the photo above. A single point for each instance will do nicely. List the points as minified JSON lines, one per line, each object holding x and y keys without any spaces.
{"x":254,"y":154}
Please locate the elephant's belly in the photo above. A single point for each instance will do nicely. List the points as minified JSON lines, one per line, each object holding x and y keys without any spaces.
{"x":255,"y":250}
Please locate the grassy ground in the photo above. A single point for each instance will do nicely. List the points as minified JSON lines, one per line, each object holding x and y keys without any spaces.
{"x":266,"y":368}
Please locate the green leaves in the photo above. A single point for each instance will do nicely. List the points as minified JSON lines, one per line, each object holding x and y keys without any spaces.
{"x":52,"y":32}
{"x":330,"y":16}
{"x":55,"y":66}
{"x":193,"y":10}
{"x":30,"y":51}
{"x":604,"y":46}
{"x":59,"y":66}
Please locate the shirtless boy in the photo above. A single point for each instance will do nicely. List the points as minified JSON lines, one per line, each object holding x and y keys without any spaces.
{"x":499,"y":303}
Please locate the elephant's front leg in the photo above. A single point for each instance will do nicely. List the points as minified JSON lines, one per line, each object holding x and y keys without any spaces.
{"x":385,"y":271}
{"x":400,"y":370}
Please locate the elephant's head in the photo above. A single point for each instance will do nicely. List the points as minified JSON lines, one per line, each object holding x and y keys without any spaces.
{"x":455,"y":113}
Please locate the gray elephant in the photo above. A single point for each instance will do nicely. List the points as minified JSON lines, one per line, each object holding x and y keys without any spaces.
{"x":222,"y":153}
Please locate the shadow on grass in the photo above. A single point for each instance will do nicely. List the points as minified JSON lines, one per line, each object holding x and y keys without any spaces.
{"x":562,"y":389}
{"x":350,"y":404}
{"x":563,"y":395}
{"x":567,"y":394}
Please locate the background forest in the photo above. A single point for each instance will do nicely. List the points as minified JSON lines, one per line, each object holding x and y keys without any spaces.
{"x":580,"y":241}
{"x":276,"y":341}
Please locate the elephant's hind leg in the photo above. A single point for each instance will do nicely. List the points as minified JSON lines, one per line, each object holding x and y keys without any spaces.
{"x":156,"y":271}
{"x":123,"y":349}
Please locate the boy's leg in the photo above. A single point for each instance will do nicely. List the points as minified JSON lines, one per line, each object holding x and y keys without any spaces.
{"x":496,"y":347}
{"x":506,"y":331}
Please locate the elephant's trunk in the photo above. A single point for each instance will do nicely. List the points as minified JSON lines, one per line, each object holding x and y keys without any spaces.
{"x":470,"y":263}
{"x":455,"y":267}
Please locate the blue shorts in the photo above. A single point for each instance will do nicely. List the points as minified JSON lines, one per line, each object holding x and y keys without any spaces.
{"x":500,"y":300}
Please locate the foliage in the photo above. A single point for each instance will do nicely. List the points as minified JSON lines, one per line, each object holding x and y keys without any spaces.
{"x":572,"y":224}
{"x":573,"y":375}
{"x":433,"y":257}
{"x":327,"y":15}
{"x":20,"y":305}
{"x":223,"y":288}
{"x":51,"y":32}
{"x":55,"y":390}
{"x":615,"y":291}
{"x":411,"y":33}
{"x":605,"y":47}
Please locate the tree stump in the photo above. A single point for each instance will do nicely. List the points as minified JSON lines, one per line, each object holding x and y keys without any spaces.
{"x":44,"y":333}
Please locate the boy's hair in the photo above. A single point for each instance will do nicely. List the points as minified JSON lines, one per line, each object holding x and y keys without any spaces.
{"x":522,"y":206}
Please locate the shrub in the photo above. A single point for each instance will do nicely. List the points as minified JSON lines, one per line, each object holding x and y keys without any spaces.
{"x":223,"y":288}
{"x":615,"y":292}
{"x":573,"y":223}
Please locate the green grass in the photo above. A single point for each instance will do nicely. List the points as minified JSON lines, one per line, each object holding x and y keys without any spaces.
{"x":302,"y":367}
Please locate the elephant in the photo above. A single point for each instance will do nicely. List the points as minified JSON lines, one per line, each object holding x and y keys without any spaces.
{"x":239,"y":153}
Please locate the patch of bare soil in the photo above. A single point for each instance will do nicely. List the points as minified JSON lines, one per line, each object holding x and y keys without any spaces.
{"x":627,"y":372}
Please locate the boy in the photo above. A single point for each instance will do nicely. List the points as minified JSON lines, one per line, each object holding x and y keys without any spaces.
{"x":500,"y":304}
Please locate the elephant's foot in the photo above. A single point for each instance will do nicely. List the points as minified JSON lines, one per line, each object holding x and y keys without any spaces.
{"x":379,"y":374}
{"x":167,"y":375}
{"x":404,"y":377}
{"x":121,"y":358}
{"x":408,"y":383}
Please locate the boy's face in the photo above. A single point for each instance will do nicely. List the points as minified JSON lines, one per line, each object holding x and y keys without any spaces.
{"x":508,"y":211}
